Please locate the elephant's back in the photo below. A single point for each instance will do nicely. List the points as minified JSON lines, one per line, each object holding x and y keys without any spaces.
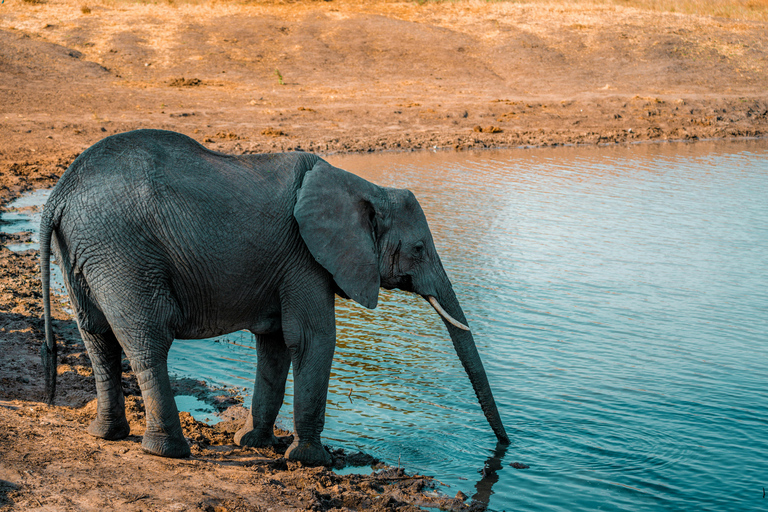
{"x":137,"y":156}
{"x":163,"y":189}
{"x":162,"y":192}
{"x":153,"y":170}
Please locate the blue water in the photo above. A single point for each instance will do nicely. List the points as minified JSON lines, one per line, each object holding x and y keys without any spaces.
{"x":619,"y":299}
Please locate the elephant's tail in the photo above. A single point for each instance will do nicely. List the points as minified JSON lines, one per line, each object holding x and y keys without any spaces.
{"x":48,"y":349}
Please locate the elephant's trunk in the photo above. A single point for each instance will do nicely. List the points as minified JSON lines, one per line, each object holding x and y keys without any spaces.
{"x":464,"y":343}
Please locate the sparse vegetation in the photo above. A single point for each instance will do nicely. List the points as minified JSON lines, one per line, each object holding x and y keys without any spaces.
{"x":733,"y":9}
{"x":85,"y":9}
{"x":185,"y":82}
{"x":756,"y":10}
{"x":273,"y":132}
{"x":737,"y":9}
{"x":279,"y":77}
{"x":487,"y":129}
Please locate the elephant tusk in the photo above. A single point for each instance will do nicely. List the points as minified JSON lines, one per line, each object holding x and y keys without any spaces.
{"x":445,"y":314}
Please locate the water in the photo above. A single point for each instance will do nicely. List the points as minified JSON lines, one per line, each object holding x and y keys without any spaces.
{"x":619,"y":299}
{"x":23,"y":215}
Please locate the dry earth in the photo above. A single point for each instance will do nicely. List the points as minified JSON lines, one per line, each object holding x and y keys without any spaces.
{"x":326,"y":77}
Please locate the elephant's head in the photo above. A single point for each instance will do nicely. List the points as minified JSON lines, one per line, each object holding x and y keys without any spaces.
{"x":369,"y":237}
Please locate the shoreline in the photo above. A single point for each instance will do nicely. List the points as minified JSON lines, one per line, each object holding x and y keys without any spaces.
{"x":552,"y":146}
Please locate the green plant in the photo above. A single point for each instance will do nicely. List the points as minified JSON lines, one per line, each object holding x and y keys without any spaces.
{"x":279,"y":77}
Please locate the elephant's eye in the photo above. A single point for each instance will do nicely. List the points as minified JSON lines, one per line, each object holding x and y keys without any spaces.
{"x":418,"y":248}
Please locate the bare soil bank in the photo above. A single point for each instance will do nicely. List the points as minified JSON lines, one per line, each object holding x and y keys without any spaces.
{"x":361,"y":76}
{"x":324,"y":77}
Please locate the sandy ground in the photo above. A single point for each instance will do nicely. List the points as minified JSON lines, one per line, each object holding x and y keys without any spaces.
{"x":334,"y":76}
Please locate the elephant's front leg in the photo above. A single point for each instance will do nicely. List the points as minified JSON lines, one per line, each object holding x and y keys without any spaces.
{"x":274,"y":361}
{"x":311,"y":371}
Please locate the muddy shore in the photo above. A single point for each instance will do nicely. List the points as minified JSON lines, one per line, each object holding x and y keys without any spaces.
{"x":335,"y":76}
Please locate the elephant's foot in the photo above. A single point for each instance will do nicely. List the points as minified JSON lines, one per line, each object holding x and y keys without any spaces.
{"x":109,"y":429}
{"x":164,"y":445}
{"x":255,"y":438}
{"x":309,"y":453}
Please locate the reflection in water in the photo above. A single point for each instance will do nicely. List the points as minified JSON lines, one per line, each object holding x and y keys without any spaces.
{"x":484,"y":486}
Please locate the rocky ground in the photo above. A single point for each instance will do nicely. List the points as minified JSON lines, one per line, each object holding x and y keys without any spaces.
{"x":333,"y":76}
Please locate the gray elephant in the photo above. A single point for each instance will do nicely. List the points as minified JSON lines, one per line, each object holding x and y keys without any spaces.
{"x":160,"y":238}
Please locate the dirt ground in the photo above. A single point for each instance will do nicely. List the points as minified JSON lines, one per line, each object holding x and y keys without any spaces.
{"x":321,"y":76}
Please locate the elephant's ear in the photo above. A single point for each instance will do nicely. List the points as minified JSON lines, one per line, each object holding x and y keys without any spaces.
{"x":335,"y":212}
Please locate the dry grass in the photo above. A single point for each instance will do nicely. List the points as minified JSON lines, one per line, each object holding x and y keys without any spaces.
{"x":754,"y":10}
{"x":733,"y":9}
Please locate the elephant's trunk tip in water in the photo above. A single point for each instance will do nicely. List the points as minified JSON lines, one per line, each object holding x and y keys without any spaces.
{"x":443,"y":313}
{"x":464,"y":343}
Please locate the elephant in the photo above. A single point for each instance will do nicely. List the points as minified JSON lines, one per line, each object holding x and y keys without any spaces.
{"x":160,"y":238}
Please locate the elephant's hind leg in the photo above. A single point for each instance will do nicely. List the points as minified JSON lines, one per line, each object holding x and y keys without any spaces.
{"x":274,"y":360}
{"x":103,"y":349}
{"x":148,"y":353}
{"x":105,"y":354}
{"x":144,"y":328}
{"x":164,"y":436}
